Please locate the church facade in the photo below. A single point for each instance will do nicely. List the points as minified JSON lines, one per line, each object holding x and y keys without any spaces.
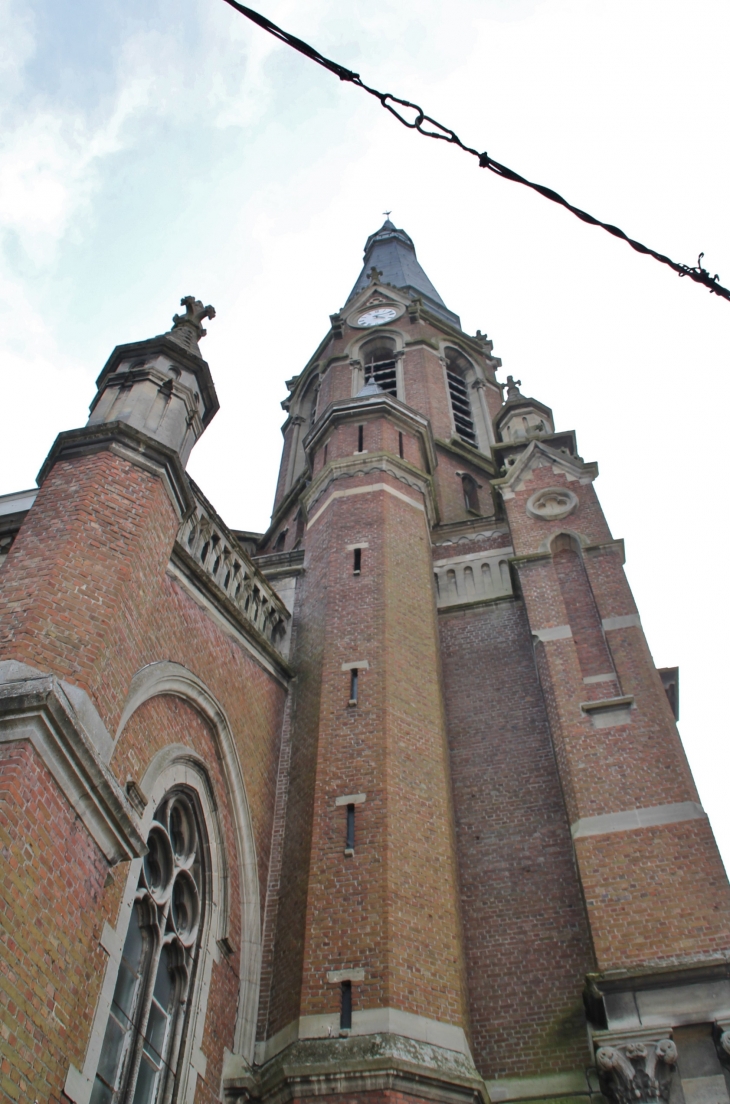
{"x":386,"y":804}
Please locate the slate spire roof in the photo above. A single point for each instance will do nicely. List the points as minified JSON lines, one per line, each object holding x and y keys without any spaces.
{"x":393,"y":253}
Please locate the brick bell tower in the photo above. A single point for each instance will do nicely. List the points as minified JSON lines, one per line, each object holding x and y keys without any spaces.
{"x":492,"y":877}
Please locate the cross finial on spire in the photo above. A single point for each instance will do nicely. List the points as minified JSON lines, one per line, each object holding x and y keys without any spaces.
{"x":187,"y":328}
{"x":374,"y":275}
{"x":513,"y":388}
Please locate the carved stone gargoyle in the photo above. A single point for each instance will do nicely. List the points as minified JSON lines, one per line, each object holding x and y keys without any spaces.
{"x":636,"y":1071}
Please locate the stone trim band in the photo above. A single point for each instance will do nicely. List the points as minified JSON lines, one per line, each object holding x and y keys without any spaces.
{"x":631,"y":819}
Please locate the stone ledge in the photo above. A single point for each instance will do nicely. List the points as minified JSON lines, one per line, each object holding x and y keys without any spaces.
{"x":629,"y":820}
{"x":609,"y":712}
{"x":478,"y":603}
{"x":550,"y":1087}
{"x":366,"y":1063}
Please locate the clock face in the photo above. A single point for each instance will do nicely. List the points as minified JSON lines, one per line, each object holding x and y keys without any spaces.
{"x":377,"y":317}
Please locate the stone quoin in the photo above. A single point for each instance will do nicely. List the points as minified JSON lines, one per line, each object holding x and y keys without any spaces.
{"x":384,"y":805}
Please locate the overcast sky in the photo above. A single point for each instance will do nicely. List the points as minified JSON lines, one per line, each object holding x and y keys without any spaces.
{"x":156,"y":148}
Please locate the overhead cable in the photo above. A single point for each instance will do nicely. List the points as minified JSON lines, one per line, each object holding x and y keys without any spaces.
{"x":430,"y":128}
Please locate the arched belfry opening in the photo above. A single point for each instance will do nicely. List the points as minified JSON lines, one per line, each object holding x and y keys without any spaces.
{"x":459,"y":373}
{"x":379,"y":360}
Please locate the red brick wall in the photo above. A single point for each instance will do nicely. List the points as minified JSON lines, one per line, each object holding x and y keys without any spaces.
{"x":391,"y":908}
{"x":51,"y":917}
{"x":86,"y":595}
{"x":526,"y":939}
{"x":655,"y":895}
{"x":636,"y":907}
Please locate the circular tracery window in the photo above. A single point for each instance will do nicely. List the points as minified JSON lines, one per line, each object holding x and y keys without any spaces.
{"x":172,"y":867}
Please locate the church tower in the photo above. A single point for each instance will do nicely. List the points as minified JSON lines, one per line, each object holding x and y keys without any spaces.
{"x":386,"y":805}
{"x":493,"y":863}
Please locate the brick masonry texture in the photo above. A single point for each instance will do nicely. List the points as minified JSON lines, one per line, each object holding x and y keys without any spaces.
{"x":51,"y":915}
{"x":655,"y":896}
{"x":87,"y":596}
{"x":639,"y":913}
{"x":391,"y":908}
{"x":526,"y":937}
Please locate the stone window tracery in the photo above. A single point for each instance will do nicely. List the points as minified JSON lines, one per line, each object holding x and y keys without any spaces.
{"x":147,"y":1020}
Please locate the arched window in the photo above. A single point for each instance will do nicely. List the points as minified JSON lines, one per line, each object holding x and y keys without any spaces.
{"x":471,"y":494}
{"x":379,"y":360}
{"x":457,"y":369}
{"x":146,"y":1025}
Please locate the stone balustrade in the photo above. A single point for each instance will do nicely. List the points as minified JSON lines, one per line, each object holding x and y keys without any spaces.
{"x":473,"y":578}
{"x":206,"y":539}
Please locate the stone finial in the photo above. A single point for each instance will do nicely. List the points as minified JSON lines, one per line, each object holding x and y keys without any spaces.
{"x":513,"y":388}
{"x":187,"y":328}
{"x":374,"y":275}
{"x":636,"y":1071}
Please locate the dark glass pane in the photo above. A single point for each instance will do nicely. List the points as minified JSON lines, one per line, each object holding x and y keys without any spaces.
{"x":124,"y":992}
{"x":111,"y":1051}
{"x":133,"y":943}
{"x":146,"y":1083}
{"x":164,"y":980}
{"x":101,"y":1093}
{"x":156,"y":1031}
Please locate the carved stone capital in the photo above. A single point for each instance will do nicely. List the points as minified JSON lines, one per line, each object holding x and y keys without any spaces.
{"x":635,"y":1069}
{"x":414,"y":309}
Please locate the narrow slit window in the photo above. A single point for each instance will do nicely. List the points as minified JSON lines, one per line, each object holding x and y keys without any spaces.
{"x":400,"y":445}
{"x":353,"y":685}
{"x":360,"y":438}
{"x":345,"y":1006}
{"x":350,"y":833}
{"x":357,"y":561}
{"x":325,"y":453}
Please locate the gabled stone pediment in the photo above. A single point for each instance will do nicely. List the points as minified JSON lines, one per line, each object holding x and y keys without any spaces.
{"x":540,"y":455}
{"x":378,"y":295}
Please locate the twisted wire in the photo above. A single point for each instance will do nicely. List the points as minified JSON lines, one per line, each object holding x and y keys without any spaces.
{"x":431,"y":128}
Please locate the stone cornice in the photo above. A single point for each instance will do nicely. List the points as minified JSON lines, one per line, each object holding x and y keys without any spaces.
{"x":360,"y":1064}
{"x":131,"y":444}
{"x":383,"y":405}
{"x":476,"y":604}
{"x":275,"y":564}
{"x":366,"y":464}
{"x":36,"y":708}
{"x":177,"y":353}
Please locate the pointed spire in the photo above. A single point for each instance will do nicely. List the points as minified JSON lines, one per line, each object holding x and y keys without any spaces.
{"x":391,"y":253}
